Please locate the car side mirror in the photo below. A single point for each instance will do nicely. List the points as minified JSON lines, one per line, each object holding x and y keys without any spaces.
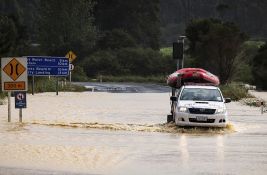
{"x":227,"y":100}
{"x":173,"y":98}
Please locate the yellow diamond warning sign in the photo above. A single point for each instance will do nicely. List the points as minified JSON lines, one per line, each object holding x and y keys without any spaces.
{"x":14,"y":69}
{"x":71,"y":56}
{"x":14,"y":74}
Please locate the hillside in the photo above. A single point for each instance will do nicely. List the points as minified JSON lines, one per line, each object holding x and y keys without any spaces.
{"x":249,"y":15}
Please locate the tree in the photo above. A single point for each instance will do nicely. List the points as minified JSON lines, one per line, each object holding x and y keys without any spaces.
{"x":11,"y":12}
{"x":138,"y":18}
{"x":215,"y":45}
{"x":66,"y":25}
{"x":8,"y":34}
{"x":259,"y":70}
{"x":116,"y":39}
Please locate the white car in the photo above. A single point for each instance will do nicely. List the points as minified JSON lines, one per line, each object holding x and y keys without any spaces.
{"x":200,"y":106}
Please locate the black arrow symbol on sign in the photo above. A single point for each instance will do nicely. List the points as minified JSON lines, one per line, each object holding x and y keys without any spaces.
{"x":17,"y":65}
{"x":11,"y":66}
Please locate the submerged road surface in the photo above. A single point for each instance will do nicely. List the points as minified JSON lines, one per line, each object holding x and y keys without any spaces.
{"x":124,"y":133}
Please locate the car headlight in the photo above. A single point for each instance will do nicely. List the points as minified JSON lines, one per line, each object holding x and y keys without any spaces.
{"x":182,"y":109}
{"x":220,"y":110}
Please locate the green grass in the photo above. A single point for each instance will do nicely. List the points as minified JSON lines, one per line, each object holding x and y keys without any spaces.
{"x":257,"y":44}
{"x":44,"y":84}
{"x":166,"y":51}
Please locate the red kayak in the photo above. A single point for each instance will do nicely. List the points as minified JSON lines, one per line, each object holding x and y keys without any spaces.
{"x":191,"y":75}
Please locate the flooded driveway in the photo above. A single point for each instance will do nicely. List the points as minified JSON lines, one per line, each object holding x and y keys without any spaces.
{"x":124,"y":133}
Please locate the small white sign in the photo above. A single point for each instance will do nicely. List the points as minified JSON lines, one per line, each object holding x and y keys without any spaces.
{"x":14,"y":74}
{"x":71,"y":67}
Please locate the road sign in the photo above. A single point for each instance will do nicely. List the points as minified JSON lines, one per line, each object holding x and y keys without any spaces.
{"x":14,"y":74}
{"x":48,"y":66}
{"x":14,"y":69}
{"x":20,"y":100}
{"x":71,"y":67}
{"x":71,"y":56}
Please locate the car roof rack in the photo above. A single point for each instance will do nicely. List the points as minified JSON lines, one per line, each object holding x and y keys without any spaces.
{"x":198,"y":84}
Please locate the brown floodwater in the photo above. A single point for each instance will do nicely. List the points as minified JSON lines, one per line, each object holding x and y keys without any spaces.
{"x":126,"y":133}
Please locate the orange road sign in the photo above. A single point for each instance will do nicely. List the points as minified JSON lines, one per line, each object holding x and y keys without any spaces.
{"x":14,"y":69}
{"x":71,"y":56}
{"x":14,"y":74}
{"x":11,"y":86}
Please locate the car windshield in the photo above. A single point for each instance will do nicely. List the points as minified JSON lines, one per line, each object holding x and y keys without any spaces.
{"x":200,"y":94}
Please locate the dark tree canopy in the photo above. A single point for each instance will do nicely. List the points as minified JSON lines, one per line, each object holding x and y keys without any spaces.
{"x":66,"y":25}
{"x":138,"y":18}
{"x":215,"y":46}
{"x":8,"y":34}
{"x":259,"y":68}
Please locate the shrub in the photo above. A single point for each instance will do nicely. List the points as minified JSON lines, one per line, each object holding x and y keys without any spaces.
{"x":234,"y":91}
{"x":101,"y":62}
{"x":44,"y":84}
{"x":259,"y":68}
{"x":78,"y":74}
{"x":129,"y":62}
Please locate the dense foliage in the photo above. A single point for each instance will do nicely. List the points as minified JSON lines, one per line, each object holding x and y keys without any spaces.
{"x":259,"y":68}
{"x":250,"y":16}
{"x":66,"y":25}
{"x":215,"y":46}
{"x":137,"y":18}
{"x":122,"y":38}
{"x":128,"y":61}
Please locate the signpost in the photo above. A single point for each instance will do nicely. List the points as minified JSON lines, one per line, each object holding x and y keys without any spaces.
{"x":20,"y":99}
{"x":20,"y":102}
{"x":47,"y":66}
{"x":14,"y":77}
{"x":14,"y":74}
{"x":71,"y":69}
{"x":71,"y":56}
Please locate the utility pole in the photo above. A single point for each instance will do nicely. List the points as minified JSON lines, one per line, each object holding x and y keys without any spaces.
{"x":178,"y":54}
{"x":181,"y":40}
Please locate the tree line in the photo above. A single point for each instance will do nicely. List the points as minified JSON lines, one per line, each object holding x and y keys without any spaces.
{"x":119,"y":38}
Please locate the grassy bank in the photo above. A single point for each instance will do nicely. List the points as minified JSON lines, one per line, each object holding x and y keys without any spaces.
{"x":45,"y":84}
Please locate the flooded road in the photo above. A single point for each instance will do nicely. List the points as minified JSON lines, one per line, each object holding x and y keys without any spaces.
{"x":124,"y":133}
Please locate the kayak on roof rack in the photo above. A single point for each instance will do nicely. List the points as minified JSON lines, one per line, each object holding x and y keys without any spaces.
{"x":191,"y":75}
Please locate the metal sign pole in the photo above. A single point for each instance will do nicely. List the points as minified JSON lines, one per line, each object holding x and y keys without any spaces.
{"x":32,"y":85}
{"x":70,"y":76}
{"x":178,"y":64}
{"x":20,"y":115}
{"x":57,"y":86}
{"x":183,"y":54}
{"x":181,"y":40}
{"x":9,"y":107}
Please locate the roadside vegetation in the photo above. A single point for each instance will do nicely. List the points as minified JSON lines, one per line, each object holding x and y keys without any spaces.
{"x":125,"y":43}
{"x":2,"y":97}
{"x":45,"y":84}
{"x":135,"y":79}
{"x":235,"y":91}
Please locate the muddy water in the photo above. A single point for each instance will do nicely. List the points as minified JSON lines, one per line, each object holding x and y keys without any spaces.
{"x":106,"y":133}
